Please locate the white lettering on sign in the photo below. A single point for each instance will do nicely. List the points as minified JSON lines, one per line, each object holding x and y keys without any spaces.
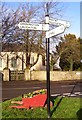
{"x":33,"y":26}
{"x":56,"y":31}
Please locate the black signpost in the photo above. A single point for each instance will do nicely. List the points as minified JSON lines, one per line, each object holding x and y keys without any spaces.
{"x":48,"y":76}
{"x":45,"y":27}
{"x":47,"y":65}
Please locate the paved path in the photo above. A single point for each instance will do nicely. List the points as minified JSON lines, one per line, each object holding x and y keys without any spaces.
{"x":13,"y":89}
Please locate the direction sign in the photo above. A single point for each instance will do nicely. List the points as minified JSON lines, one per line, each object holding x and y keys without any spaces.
{"x":33,"y":26}
{"x":55,"y":31}
{"x":59,"y":22}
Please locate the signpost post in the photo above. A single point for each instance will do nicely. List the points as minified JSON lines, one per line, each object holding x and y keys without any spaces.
{"x":47,"y":64}
{"x":45,"y":27}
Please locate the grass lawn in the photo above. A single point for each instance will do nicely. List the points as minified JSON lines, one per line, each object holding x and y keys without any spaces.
{"x":64,"y":107}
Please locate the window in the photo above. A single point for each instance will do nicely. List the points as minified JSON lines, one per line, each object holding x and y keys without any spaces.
{"x":0,"y":62}
{"x":14,"y":62}
{"x":32,"y":60}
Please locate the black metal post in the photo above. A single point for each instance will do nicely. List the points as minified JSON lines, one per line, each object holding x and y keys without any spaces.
{"x":47,"y":67}
{"x":48,"y":76}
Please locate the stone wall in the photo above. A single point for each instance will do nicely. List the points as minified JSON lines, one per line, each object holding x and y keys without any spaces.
{"x":57,"y":75}
{"x":41,"y":75}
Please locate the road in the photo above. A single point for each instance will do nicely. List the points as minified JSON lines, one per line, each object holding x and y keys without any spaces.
{"x":13,"y":89}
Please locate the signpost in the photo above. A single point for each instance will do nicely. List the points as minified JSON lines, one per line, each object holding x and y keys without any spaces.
{"x":33,"y":26}
{"x":55,"y":31}
{"x":45,"y":27}
{"x":59,"y":22}
{"x":47,"y":64}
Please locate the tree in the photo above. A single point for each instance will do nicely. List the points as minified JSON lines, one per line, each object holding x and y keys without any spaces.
{"x":25,"y":38}
{"x":69,"y":51}
{"x":13,"y":36}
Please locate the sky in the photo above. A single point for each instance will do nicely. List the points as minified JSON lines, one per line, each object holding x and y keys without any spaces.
{"x":71,"y":13}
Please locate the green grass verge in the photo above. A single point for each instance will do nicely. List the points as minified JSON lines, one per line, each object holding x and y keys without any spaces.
{"x":64,"y":107}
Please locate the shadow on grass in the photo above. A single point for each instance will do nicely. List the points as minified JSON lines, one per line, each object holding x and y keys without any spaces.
{"x":54,"y":109}
{"x":79,"y":114}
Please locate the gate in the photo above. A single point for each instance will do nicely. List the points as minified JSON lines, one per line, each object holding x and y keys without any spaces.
{"x":16,"y":75}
